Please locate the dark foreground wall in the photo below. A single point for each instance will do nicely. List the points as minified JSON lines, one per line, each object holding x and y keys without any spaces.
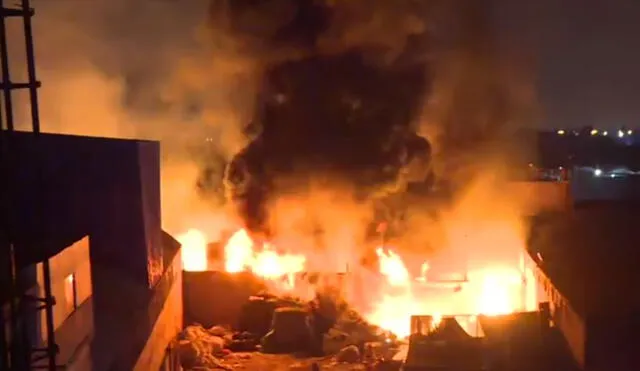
{"x":214,"y":297}
{"x":65,"y":187}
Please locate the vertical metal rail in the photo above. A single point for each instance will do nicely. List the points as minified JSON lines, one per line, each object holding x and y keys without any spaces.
{"x":6,"y":77}
{"x":6,"y":268}
{"x":33,"y":85}
{"x":8,"y":325}
{"x":23,"y":355}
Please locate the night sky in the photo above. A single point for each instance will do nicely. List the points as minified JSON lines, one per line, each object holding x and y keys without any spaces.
{"x":588,"y":58}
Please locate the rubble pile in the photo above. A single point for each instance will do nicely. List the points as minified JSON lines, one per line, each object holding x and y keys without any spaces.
{"x":286,"y":330}
{"x":199,"y":348}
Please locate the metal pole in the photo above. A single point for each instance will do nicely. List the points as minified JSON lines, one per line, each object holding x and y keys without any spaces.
{"x":11,"y":346}
{"x":35,"y":122}
{"x":6,"y":79}
{"x":4,"y":322}
{"x":31,"y":67}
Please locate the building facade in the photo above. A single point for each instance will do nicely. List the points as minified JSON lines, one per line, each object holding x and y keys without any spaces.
{"x":91,"y":206}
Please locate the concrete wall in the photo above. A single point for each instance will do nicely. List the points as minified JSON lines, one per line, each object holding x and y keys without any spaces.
{"x":565,"y":318}
{"x":216,"y":297}
{"x":612,"y":343}
{"x":108,"y":189}
{"x":70,"y":271}
{"x":71,"y":286}
{"x":168,"y":325}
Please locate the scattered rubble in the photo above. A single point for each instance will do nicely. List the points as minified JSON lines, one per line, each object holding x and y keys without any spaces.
{"x":349,"y":354}
{"x":278,"y":333}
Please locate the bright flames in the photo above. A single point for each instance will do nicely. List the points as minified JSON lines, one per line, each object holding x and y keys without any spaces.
{"x":487,"y":289}
{"x":194,"y":251}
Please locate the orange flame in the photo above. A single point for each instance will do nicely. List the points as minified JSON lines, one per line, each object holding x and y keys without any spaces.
{"x":194,"y":251}
{"x":493,"y":290}
{"x":241,"y":255}
{"x":487,"y":289}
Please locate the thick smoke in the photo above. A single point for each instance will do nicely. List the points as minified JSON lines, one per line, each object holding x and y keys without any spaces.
{"x":342,"y":89}
{"x":143,"y":69}
{"x":292,"y":103}
{"x":373,"y":101}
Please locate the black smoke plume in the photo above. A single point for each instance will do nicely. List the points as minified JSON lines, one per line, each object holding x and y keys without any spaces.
{"x":343,"y":87}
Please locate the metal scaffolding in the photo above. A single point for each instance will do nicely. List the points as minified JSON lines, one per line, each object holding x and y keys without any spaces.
{"x":17,"y":350}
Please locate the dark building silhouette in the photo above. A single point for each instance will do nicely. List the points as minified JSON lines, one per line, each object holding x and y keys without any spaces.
{"x":92,"y":206}
{"x":587,"y":258}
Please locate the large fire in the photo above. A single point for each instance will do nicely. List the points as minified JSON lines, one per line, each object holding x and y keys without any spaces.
{"x":392,"y":293}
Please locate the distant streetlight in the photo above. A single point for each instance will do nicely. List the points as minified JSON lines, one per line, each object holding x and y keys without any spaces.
{"x":560,"y":132}
{"x":594,"y":132}
{"x":620,"y":134}
{"x":605,"y":133}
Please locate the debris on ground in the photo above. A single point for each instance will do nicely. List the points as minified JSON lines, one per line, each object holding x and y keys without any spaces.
{"x":276,"y":333}
{"x":349,"y":354}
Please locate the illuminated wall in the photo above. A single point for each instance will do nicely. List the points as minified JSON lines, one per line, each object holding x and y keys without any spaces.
{"x":70,"y":280}
{"x":168,"y":324}
{"x":71,"y":286}
{"x":565,"y":318}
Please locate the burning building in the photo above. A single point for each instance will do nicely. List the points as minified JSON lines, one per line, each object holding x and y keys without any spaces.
{"x":342,"y":172}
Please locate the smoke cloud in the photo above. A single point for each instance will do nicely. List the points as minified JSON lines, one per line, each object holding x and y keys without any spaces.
{"x":369,"y":98}
{"x":143,"y":69}
{"x":342,"y":86}
{"x":283,"y":107}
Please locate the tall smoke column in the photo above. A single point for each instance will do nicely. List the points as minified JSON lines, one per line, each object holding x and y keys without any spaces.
{"x":341,"y":93}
